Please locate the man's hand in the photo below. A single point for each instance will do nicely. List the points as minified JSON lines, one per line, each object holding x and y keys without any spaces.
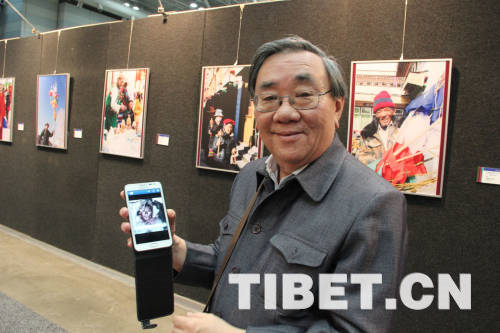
{"x":179,"y":249}
{"x":202,"y":323}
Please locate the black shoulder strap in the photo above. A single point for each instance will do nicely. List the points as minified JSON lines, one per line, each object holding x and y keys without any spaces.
{"x":236,"y":235}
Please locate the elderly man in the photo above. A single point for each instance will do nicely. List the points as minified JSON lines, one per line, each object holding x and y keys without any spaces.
{"x":379,"y":135}
{"x":317,"y":211}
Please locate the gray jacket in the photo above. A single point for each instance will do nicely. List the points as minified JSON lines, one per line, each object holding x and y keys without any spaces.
{"x":336,"y":216}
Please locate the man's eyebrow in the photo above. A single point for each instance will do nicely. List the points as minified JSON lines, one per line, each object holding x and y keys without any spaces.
{"x":267,"y":84}
{"x":304,"y":77}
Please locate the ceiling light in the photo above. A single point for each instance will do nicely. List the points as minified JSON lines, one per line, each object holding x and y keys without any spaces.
{"x":126,"y":4}
{"x":135,"y":8}
{"x":193,"y":5}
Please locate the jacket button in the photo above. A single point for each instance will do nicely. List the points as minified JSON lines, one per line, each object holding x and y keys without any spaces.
{"x":256,"y":229}
{"x":235,"y":270}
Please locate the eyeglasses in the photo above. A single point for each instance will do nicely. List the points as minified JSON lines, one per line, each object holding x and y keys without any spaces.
{"x":300,"y":100}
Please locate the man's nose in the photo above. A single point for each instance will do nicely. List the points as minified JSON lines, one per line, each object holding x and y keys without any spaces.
{"x":286,"y":112}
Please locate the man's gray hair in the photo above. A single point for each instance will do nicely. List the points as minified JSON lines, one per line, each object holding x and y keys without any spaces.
{"x":297,"y":44}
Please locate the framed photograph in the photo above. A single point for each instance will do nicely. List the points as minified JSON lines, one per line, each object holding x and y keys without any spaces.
{"x":398,"y":121}
{"x":227,"y":138}
{"x":124,"y":108}
{"x":52,"y":110}
{"x":6,"y":108}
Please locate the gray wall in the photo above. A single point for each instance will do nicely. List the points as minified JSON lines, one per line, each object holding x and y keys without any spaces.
{"x":70,"y":198}
{"x":41,"y":13}
{"x":47,"y":15}
{"x":70,"y":16}
{"x":10,"y":22}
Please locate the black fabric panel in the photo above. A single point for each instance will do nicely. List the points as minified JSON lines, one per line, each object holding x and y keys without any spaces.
{"x":173,"y":54}
{"x":220,"y":37}
{"x":108,"y":242}
{"x":374,"y":31}
{"x":117,"y":45}
{"x":456,"y":234}
{"x":18,"y":162}
{"x":70,"y":176}
{"x":50,"y":52}
{"x":172,"y":51}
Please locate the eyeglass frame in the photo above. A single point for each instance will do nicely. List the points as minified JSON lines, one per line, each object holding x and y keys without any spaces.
{"x":291,"y":101}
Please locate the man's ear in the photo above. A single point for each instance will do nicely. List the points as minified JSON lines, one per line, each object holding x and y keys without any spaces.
{"x":339,"y":107}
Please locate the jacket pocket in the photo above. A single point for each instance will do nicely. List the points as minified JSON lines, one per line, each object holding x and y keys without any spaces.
{"x":297,"y":251}
{"x":227,"y":228}
{"x":229,"y":224}
{"x":289,"y":254}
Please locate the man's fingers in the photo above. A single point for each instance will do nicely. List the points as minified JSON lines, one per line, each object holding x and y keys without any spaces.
{"x":181,"y":322}
{"x":125,"y":226}
{"x":171,"y":218}
{"x":124,"y":212}
{"x":171,"y":215}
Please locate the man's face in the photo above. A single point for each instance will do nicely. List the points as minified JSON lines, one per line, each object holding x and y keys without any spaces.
{"x":228,"y":128}
{"x":384,"y":116}
{"x":218,"y":119}
{"x":296,"y":138}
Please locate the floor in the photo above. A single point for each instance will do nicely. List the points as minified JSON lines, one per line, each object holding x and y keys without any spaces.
{"x":51,"y":288}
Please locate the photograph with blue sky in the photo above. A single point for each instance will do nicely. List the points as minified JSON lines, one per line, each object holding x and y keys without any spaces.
{"x":52,"y":110}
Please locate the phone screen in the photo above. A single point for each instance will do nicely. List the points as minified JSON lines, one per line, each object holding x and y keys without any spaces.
{"x":147,"y":214}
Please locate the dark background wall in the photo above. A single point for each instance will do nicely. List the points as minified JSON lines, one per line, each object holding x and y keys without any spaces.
{"x":70,"y":199}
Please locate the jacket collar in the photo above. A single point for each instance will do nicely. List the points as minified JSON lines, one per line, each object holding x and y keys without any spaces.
{"x":319,"y":176}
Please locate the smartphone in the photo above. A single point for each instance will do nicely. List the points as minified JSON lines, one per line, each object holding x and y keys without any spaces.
{"x":148,"y":216}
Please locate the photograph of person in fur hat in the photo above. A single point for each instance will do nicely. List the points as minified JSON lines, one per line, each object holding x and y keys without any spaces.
{"x":398,"y":121}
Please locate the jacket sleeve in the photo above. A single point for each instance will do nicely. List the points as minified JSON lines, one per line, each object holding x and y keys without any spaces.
{"x":375,"y":244}
{"x":199,"y":267}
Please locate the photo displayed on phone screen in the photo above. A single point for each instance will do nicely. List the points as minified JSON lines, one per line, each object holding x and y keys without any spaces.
{"x":147,"y":215}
